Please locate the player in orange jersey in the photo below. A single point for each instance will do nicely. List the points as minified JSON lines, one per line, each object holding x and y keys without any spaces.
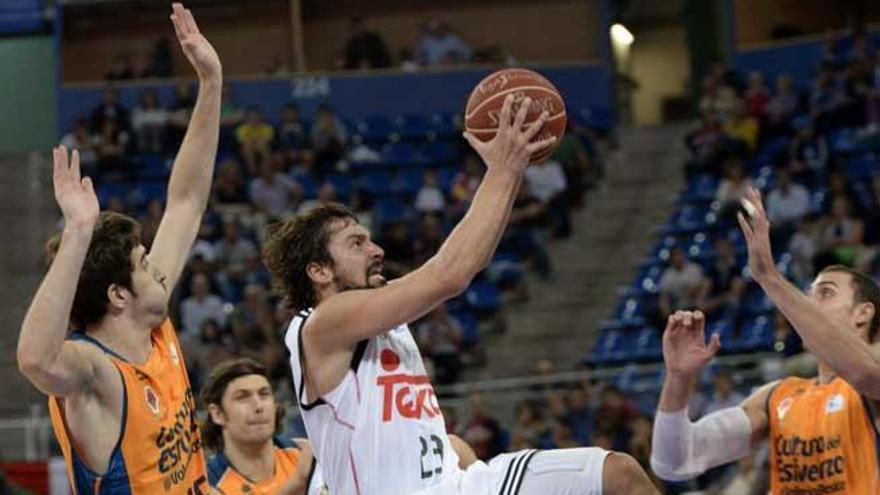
{"x":241,"y":428}
{"x":120,"y":399}
{"x":822,"y":432}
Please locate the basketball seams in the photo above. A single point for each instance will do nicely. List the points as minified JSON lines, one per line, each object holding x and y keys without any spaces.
{"x":489,"y":99}
{"x":550,"y":119}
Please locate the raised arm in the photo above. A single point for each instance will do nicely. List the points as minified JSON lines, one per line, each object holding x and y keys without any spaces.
{"x":355,"y":315}
{"x":682,"y":450}
{"x":190,"y":185}
{"x":827,"y":334}
{"x":55,"y":366}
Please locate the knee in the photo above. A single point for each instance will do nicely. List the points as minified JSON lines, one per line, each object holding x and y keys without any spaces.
{"x":622,"y":474}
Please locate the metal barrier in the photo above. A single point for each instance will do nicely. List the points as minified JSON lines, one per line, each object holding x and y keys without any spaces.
{"x":27,"y":438}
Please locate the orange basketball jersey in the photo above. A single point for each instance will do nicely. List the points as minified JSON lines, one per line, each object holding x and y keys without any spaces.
{"x":160,"y":448}
{"x":228,"y":481}
{"x":822,"y":440}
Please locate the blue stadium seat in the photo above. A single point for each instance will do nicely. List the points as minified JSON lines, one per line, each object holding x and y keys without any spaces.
{"x":470,"y":327}
{"x":483,"y":297}
{"x":412,"y":127}
{"x":648,"y":345}
{"x":343,"y":184}
{"x":144,"y":192}
{"x":376,"y":183}
{"x":861,"y":167}
{"x":443,"y":125}
{"x":445,"y":178}
{"x":439,"y":153}
{"x":375,"y":129}
{"x":308,"y":184}
{"x":401,"y":154}
{"x":389,"y":210}
{"x":407,"y":182}
{"x":757,"y":335}
{"x":755,"y":302}
{"x":152,"y":167}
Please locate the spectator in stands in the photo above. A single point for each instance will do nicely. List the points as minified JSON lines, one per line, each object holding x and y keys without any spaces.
{"x":723,"y":285}
{"x":150,"y":221}
{"x":639,"y":444}
{"x":181,"y":110}
{"x":429,"y":238}
{"x":329,"y":139}
{"x":400,"y":254}
{"x":326,"y":195}
{"x":575,"y":160}
{"x":788,"y":342}
{"x":230,"y":193}
{"x":480,"y":429}
{"x":79,"y":139}
{"x":547,"y":183}
{"x":781,"y":107}
{"x":742,"y":128}
{"x":804,"y":247}
{"x":407,"y":60}
{"x":292,"y":138}
{"x":724,"y":395}
{"x":148,"y":121}
{"x":112,"y":145}
{"x":430,"y":198}
{"x":204,"y":349}
{"x":254,"y":138}
{"x":842,"y":235}
{"x":680,"y":283}
{"x":744,"y":480}
{"x":232,"y":253}
{"x":273,"y":192}
{"x":733,"y":186}
{"x":872,"y":216}
{"x":530,"y":426}
{"x":705,"y":144}
{"x":439,"y":46}
{"x":523,"y":236}
{"x":787,"y":204}
{"x":757,"y":96}
{"x":811,"y":150}
{"x":580,"y":415}
{"x":465,"y":183}
{"x":613,"y":417}
{"x":121,"y":69}
{"x":201,"y":305}
{"x":231,"y":114}
{"x":365,"y":49}
{"x":440,"y":336}
{"x":718,"y":98}
{"x":109,"y":109}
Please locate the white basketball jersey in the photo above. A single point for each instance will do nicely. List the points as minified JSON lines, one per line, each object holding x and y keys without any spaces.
{"x":380,"y":431}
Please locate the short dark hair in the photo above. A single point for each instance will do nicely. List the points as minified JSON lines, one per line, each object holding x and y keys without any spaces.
{"x":864,"y":290}
{"x":293,"y":244}
{"x":108,"y":262}
{"x":212,"y":393}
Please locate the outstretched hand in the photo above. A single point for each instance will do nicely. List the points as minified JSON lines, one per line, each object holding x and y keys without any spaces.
{"x":511,"y":148}
{"x":685,"y":350}
{"x":74,"y":194}
{"x":198,"y":50}
{"x":757,"y":234}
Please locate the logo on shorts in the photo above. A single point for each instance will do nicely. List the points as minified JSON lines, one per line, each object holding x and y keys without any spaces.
{"x":783,"y":407}
{"x":152,"y":399}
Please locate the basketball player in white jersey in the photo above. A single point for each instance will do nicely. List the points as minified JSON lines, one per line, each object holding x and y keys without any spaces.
{"x":367,"y":403}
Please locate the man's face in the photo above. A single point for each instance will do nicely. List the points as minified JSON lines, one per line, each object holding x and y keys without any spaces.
{"x":357,"y":260}
{"x":247,"y":412}
{"x":834,"y":292}
{"x":150,"y":293}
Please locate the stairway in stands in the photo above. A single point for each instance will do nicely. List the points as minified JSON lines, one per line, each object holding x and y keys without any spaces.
{"x":612,"y":234}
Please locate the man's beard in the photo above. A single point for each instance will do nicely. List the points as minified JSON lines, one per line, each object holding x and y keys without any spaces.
{"x":370,"y":272}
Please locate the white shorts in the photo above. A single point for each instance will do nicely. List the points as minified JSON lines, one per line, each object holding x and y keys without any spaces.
{"x":527,"y":472}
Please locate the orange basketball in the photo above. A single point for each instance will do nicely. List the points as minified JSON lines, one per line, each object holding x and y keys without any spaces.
{"x":484,"y":105}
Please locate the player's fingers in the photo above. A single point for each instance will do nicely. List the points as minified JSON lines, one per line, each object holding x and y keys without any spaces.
{"x":177,"y":17}
{"x":506,"y":109}
{"x":521,"y":113}
{"x":74,"y":166}
{"x":540,"y":145}
{"x":57,"y":166}
{"x":190,"y":21}
{"x":176,"y":23}
{"x":535,"y":127}
{"x":714,"y":343}
{"x":88,"y":185}
{"x":475,"y":143}
{"x":699,"y":319}
{"x":687,"y":319}
{"x":744,"y":226}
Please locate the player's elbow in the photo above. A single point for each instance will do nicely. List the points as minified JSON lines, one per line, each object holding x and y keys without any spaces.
{"x":30,"y":364}
{"x":666,"y":472}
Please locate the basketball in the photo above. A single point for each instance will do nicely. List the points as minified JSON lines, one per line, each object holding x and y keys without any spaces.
{"x":484,"y":106}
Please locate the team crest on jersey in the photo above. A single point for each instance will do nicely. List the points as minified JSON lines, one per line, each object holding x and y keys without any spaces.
{"x":835,"y":403}
{"x":152,"y":399}
{"x":783,"y":407}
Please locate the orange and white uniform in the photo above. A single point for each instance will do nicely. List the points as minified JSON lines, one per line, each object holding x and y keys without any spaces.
{"x":159,"y":451}
{"x":823,"y":440}
{"x":227,"y":480}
